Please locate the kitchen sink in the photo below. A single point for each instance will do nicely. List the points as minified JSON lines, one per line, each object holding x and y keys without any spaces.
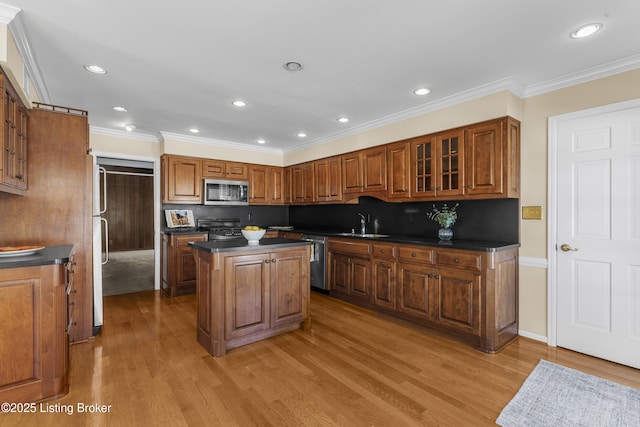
{"x":367,"y":235}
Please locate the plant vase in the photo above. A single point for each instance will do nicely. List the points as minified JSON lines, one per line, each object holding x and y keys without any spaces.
{"x":445,"y":233}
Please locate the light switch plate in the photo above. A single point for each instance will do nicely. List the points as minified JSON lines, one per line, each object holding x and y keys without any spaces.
{"x":532,"y":212}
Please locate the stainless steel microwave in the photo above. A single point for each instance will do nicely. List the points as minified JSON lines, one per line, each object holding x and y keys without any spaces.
{"x":222,"y":192}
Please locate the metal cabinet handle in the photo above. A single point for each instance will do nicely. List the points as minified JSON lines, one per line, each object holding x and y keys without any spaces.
{"x":267,"y":261}
{"x":456,"y":260}
{"x":436,"y":276}
{"x":413,"y":254}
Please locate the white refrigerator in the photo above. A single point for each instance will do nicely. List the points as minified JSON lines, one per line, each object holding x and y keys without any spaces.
{"x":100,"y":232}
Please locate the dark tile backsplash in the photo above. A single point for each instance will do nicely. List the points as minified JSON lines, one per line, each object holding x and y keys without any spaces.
{"x":494,"y":220}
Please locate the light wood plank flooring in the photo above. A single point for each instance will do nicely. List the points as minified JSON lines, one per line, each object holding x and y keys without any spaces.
{"x":353,"y":368}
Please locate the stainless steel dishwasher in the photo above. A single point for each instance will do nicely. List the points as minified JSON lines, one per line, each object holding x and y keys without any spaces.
{"x":318,"y":261}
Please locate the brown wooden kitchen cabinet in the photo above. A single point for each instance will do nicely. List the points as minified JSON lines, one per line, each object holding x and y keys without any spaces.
{"x":350,"y":269}
{"x":399,"y":171}
{"x":492,"y":159}
{"x":436,"y":165}
{"x":303,"y":183}
{"x":222,"y":169}
{"x":181,"y":180}
{"x":248,"y":295}
{"x":13,"y":142}
{"x":470,"y":294}
{"x":364,"y":172}
{"x":384,"y":275}
{"x":266,"y":185}
{"x":417,"y":294}
{"x":34,"y":340}
{"x":328,"y":179}
{"x":178,"y":264}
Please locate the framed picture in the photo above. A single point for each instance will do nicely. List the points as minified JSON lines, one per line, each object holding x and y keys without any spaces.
{"x":179,"y":218}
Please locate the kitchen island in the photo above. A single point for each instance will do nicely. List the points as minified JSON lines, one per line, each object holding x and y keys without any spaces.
{"x":246,"y":293}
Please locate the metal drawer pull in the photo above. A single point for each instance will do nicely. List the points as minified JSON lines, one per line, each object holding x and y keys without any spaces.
{"x":456,"y":260}
{"x":413,"y":254}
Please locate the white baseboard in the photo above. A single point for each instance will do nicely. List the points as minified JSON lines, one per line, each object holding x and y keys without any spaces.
{"x":532,"y":336}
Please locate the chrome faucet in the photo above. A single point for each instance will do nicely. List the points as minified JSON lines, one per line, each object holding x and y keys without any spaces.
{"x":363,"y":223}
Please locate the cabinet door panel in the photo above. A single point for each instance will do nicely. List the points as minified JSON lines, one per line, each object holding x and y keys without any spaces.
{"x":450,"y":150}
{"x":351,"y":173}
{"x":258,"y":188}
{"x":399,"y":170}
{"x":459,"y":300}
{"x":288,"y":277}
{"x":483,"y":161}
{"x":340,"y":273}
{"x":374,"y":163}
{"x":361,"y":279}
{"x":247,"y":280}
{"x":416,"y":293}
{"x":384,"y":284}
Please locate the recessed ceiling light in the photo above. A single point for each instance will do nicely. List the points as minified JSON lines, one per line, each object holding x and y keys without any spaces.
{"x":194,"y":130}
{"x":261,"y":141}
{"x":120,"y":109}
{"x":585,"y":30}
{"x":292,"y":66}
{"x":95,"y":69}
{"x":343,"y":119}
{"x":422,"y":91}
{"x":239,"y":103}
{"x":129,"y":127}
{"x":302,"y":135}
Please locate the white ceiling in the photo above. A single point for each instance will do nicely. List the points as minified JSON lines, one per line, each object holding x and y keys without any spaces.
{"x":177,"y":65}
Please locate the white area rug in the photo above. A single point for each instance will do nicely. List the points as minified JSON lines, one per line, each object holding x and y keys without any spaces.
{"x":555,"y":395}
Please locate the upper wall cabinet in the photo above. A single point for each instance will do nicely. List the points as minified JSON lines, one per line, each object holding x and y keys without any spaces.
{"x":399,"y":170}
{"x":266,"y":185}
{"x":225,"y":170}
{"x":303,"y":183}
{"x":181,"y":180}
{"x":437,"y":165}
{"x":13,"y":142}
{"x":364,"y":172}
{"x":328,"y":179}
{"x":492,"y":159}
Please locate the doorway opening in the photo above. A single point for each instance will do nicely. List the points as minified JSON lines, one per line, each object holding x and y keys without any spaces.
{"x":127,"y":245}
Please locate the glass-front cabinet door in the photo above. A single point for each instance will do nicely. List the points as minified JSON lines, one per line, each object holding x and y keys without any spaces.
{"x":437,"y":164}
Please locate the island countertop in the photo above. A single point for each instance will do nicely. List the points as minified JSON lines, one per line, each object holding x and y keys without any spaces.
{"x":217,"y":246}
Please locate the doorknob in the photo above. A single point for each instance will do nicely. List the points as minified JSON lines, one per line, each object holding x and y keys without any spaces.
{"x":566,"y":248}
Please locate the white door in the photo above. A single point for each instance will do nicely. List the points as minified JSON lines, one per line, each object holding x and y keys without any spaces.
{"x":597,"y":238}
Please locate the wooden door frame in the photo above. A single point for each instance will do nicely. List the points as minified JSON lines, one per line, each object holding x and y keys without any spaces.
{"x":157,"y":207}
{"x":552,"y":203}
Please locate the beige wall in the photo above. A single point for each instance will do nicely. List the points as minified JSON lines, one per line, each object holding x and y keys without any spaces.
{"x":198,"y":147}
{"x":124,"y":145}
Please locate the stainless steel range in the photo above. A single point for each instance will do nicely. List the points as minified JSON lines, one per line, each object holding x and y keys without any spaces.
{"x":221,"y":228}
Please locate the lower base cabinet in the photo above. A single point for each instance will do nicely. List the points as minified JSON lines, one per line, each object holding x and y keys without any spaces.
{"x":34,"y":339}
{"x":469,"y":294}
{"x":178,"y":265}
{"x":249,"y":295}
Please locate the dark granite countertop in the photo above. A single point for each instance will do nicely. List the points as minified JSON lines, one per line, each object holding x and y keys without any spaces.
{"x":471,"y":245}
{"x":243,"y":245}
{"x":48,"y":255}
{"x":183,"y":230}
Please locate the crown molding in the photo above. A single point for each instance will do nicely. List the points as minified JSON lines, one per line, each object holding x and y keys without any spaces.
{"x":219,"y":143}
{"x":19,"y":33}
{"x":7,"y":13}
{"x":509,"y":84}
{"x":124,"y":134}
{"x":593,"y":73}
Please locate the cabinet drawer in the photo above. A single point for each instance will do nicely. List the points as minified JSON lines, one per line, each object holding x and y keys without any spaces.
{"x":470,"y":260}
{"x":384,"y":250}
{"x":213,"y":169}
{"x":349,"y":247}
{"x":182,"y":241}
{"x":415,"y":254}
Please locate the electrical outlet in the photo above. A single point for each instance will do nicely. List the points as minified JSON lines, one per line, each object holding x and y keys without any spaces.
{"x":532,"y":212}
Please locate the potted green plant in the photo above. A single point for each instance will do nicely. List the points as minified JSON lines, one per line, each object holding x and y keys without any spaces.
{"x":445,"y":217}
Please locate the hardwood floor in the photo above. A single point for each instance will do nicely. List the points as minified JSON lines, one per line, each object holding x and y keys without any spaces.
{"x":353,"y":368}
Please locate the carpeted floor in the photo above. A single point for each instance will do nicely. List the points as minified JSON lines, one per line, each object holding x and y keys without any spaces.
{"x":554,"y":395}
{"x":127,"y":272}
